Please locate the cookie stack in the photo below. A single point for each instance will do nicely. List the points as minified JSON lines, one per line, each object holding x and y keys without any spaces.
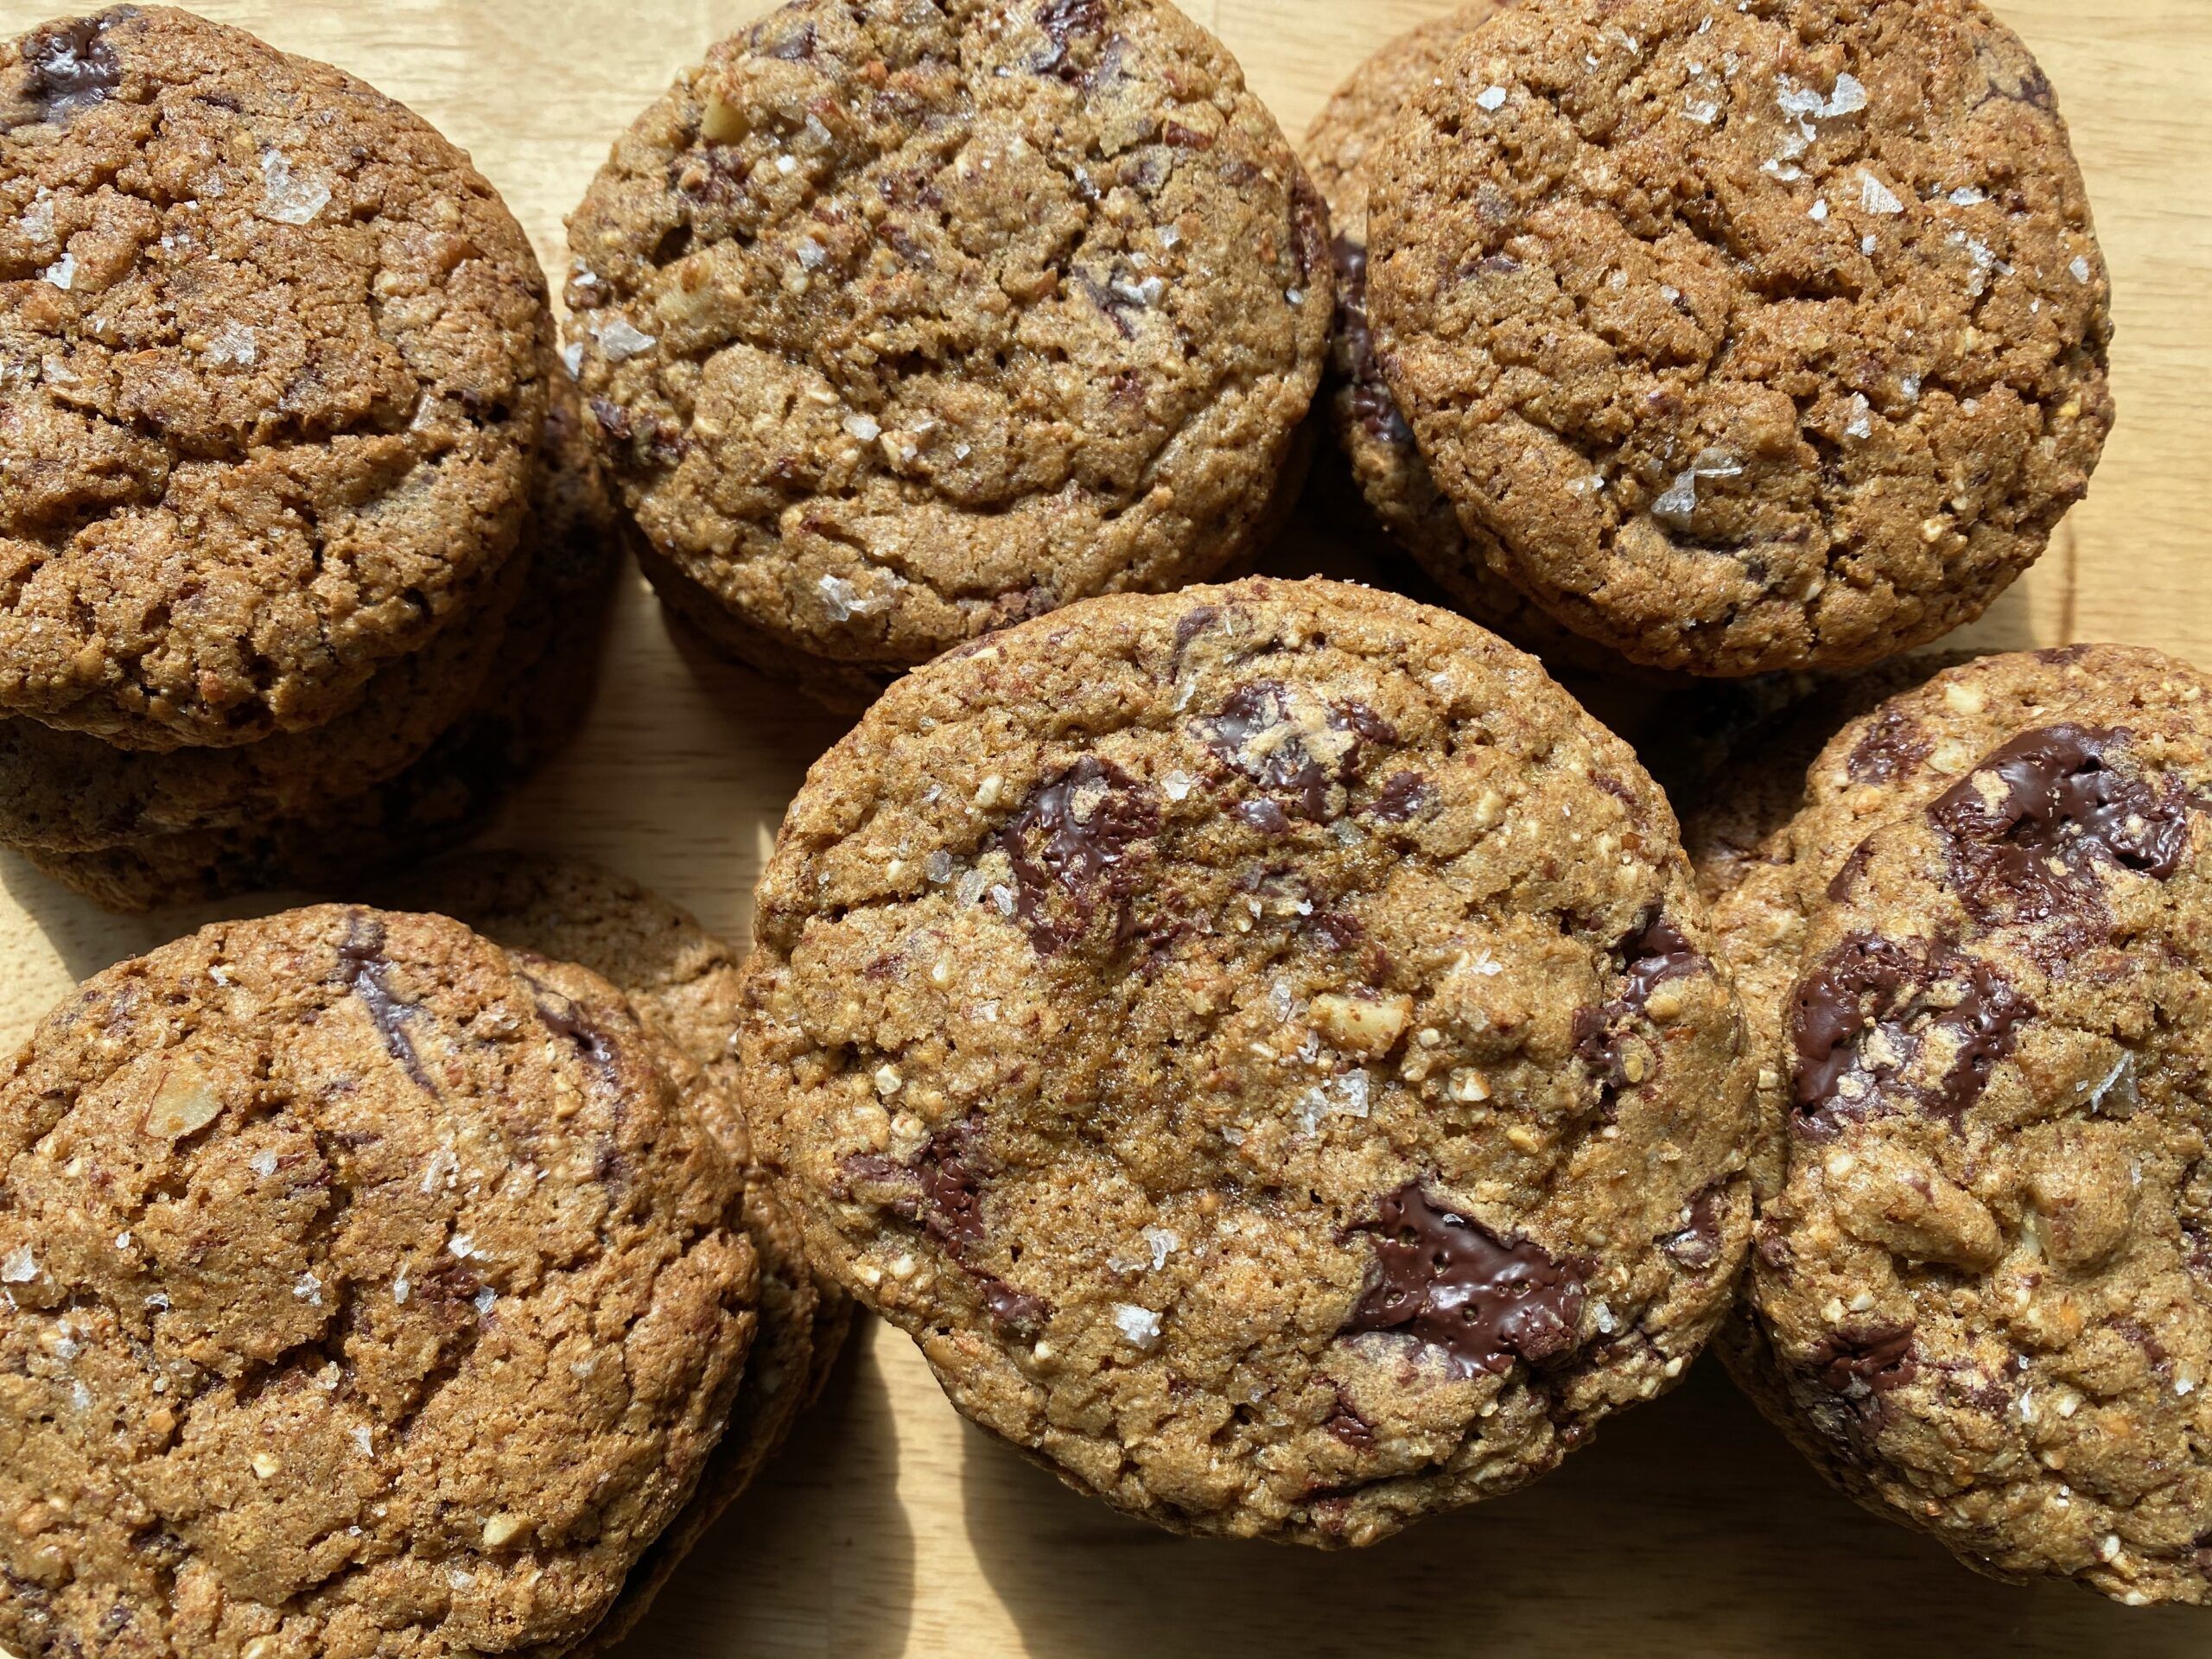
{"x":372,"y":1287}
{"x":300,"y":546}
{"x":1714,"y":338}
{"x":899,"y":324}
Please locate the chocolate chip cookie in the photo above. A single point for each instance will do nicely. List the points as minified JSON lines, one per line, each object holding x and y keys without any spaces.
{"x":1753,"y":337}
{"x":537,"y":692}
{"x":368,"y":1291}
{"x":1983,"y":1301}
{"x":1260,"y":1042}
{"x":901,"y":325}
{"x":682,"y":986}
{"x":273,"y":357}
{"x":1377,"y":443}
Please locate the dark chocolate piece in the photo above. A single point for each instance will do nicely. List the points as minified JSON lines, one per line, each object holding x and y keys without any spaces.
{"x":1371,"y":401}
{"x":70,"y":65}
{"x":2065,"y":809}
{"x":565,"y":1019}
{"x":1401,"y":797}
{"x":1075,"y":835}
{"x":1654,"y":953}
{"x":1872,"y":1360}
{"x":1458,"y":1287}
{"x":1301,"y":784}
{"x":1867,"y":986}
{"x":1892,"y":747}
{"x":1348,"y":1426}
{"x":1697,"y":1245}
{"x":1062,"y":21}
{"x":364,"y":965}
{"x":952,"y":1170}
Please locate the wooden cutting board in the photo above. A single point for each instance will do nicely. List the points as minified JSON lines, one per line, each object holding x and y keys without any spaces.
{"x":889,"y":1526}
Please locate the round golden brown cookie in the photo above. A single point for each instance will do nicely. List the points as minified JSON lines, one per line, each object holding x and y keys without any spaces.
{"x":1260,"y":1042}
{"x":901,"y":324}
{"x":368,"y":1292}
{"x":1377,"y":443}
{"x":683,"y":985}
{"x":1983,"y":1299}
{"x":274,"y":355}
{"x":537,"y":692}
{"x":1755,"y":337}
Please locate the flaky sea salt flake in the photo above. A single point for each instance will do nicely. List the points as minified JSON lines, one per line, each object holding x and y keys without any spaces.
{"x":1875,"y":197}
{"x":619,"y":341}
{"x":286,"y":199}
{"x":1139,"y":1326}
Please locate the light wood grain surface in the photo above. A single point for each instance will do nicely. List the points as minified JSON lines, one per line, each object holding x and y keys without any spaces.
{"x":890,"y":1527}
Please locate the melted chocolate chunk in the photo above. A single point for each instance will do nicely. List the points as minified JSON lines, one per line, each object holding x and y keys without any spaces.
{"x":2135,"y":1331}
{"x":877,"y":1171}
{"x":1654,"y":953}
{"x":946,"y":1182}
{"x":2196,"y":1247}
{"x":1365,"y":723}
{"x":566,"y":1020}
{"x":1064,"y":19}
{"x":1869,"y":988}
{"x":1614,"y":787}
{"x":70,"y":66}
{"x":1338,"y":930}
{"x":1855,"y":1364}
{"x":2064,"y":808}
{"x":1657,"y":954}
{"x":1697,"y":1245}
{"x":1076,"y":835}
{"x":795,"y":47}
{"x":1400,"y":797}
{"x":1458,"y":1287}
{"x":1064,"y":22}
{"x":613,"y":420}
{"x":1116,"y":309}
{"x":1252,"y":711}
{"x":447,"y":1292}
{"x":1193,"y":623}
{"x":1255,"y":734}
{"x":2007,"y":81}
{"x":364,"y":967}
{"x":1263,"y":816}
{"x":952,"y":1170}
{"x":1371,"y":401}
{"x":1016,"y":1310}
{"x":1842,"y":883}
{"x":1893,"y":747}
{"x":1348,"y":1426}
